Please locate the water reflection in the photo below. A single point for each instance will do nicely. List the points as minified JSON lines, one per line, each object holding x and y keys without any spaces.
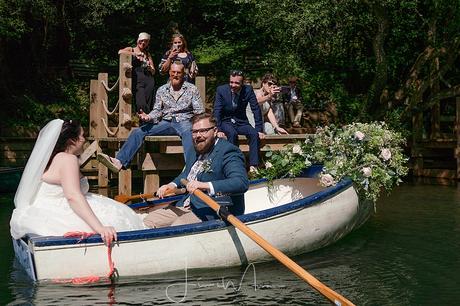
{"x":264,"y":283}
{"x":407,"y":254}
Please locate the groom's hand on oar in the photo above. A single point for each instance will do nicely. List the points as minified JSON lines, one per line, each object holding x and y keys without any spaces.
{"x":166,"y":190}
{"x":194,"y":185}
{"x":167,"y":193}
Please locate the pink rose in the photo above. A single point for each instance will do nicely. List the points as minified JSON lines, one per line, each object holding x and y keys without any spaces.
{"x":296,"y":149}
{"x":385,"y":154}
{"x":367,"y":171}
{"x":326,"y":180}
{"x":359,"y":135}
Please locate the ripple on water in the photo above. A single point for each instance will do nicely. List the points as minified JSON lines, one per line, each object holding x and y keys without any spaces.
{"x":406,"y":254}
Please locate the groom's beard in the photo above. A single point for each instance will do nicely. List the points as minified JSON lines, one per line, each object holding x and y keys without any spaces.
{"x":203,"y":145}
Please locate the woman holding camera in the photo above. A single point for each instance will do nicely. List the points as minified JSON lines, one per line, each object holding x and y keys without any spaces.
{"x":179,"y":52}
{"x":143,"y":71}
{"x":266,"y":95}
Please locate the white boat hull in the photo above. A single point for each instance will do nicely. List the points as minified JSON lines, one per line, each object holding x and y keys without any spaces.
{"x":209,"y":244}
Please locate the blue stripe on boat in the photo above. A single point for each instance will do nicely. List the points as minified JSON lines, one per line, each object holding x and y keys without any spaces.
{"x":165,"y":232}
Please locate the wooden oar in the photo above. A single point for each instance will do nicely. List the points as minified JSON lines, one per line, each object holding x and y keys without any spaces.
{"x":280,"y":256}
{"x":125,"y":198}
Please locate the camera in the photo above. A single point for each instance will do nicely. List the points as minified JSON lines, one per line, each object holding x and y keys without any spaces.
{"x":284,"y":89}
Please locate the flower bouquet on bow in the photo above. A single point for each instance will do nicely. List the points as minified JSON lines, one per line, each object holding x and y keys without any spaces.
{"x":369,"y":153}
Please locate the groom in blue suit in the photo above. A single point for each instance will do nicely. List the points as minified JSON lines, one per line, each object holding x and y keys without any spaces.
{"x":218,"y":170}
{"x":230,"y":113}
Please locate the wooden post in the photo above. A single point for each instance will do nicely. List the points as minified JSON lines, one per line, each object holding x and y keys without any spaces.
{"x":124,"y":117}
{"x":102,"y":171}
{"x":151,"y":175}
{"x":435,"y":110}
{"x":457,"y":128}
{"x":417,"y":130}
{"x":200,"y":82}
{"x":102,"y":98}
{"x":93,"y":104}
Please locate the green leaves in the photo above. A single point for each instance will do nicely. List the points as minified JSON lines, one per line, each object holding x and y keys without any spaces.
{"x":370,"y":154}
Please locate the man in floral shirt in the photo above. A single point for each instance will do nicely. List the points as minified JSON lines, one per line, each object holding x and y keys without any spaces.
{"x":176,"y":103}
{"x":217,"y":169}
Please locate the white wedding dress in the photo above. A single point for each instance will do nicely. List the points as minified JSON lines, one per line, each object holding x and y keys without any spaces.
{"x":51,"y":215}
{"x":42,"y":208}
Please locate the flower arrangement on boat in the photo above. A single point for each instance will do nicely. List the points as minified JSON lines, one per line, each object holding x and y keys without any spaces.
{"x":369,"y":153}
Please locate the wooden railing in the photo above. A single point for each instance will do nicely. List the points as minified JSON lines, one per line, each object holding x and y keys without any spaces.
{"x":164,"y":155}
{"x":438,"y":154}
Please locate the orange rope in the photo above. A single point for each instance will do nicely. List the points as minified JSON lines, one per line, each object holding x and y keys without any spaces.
{"x":93,"y":278}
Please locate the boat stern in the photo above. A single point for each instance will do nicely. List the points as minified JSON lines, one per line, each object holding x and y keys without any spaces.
{"x":25,"y":257}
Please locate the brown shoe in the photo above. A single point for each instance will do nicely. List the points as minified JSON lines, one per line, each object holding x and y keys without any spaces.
{"x":296,"y":125}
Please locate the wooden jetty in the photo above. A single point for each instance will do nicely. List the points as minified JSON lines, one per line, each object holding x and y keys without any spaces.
{"x":435,"y":147}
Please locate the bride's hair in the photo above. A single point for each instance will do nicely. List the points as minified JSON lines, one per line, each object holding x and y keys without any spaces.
{"x":70,"y":132}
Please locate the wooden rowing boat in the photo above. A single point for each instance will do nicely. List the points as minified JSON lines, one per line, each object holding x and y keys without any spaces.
{"x":294,"y":215}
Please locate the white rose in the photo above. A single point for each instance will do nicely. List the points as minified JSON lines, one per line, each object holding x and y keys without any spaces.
{"x":385,"y":154}
{"x":359,"y":135}
{"x":296,"y":149}
{"x":268,"y":165}
{"x":326,"y":180}
{"x":367,"y":171}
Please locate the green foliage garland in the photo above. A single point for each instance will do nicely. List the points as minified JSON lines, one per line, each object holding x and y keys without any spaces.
{"x":368,"y":153}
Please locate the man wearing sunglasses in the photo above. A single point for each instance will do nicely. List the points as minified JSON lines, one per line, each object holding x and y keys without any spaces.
{"x":230,"y":113}
{"x":266,"y":97}
{"x":218,"y":169}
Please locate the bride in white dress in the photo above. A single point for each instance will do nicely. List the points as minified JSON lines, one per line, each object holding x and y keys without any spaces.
{"x":52,"y":198}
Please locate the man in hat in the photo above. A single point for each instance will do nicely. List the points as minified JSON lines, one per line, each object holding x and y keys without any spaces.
{"x":143,"y":83}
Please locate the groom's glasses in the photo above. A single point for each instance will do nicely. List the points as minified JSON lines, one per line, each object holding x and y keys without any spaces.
{"x":202,"y":131}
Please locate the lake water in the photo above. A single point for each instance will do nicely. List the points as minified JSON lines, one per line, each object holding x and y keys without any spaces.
{"x":408,"y":253}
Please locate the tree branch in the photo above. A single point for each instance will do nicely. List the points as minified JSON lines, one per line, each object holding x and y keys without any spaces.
{"x":381,"y":67}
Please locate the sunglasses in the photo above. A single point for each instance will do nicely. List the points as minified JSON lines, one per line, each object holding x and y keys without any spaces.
{"x":202,"y":131}
{"x":271,"y":83}
{"x":236,"y":73}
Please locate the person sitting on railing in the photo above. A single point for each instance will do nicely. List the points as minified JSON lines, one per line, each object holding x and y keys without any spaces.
{"x":265,"y":96}
{"x":143,"y":83}
{"x":176,"y":103}
{"x":217,"y":169}
{"x":230,"y":113}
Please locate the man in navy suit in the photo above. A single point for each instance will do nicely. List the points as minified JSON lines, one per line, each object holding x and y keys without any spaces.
{"x":218,"y":170}
{"x":230,"y":113}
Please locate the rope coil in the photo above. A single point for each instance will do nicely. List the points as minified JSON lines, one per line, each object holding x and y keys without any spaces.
{"x":113,"y":272}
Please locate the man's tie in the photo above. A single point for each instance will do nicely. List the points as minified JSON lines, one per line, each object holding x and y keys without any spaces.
{"x":234,"y":100}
